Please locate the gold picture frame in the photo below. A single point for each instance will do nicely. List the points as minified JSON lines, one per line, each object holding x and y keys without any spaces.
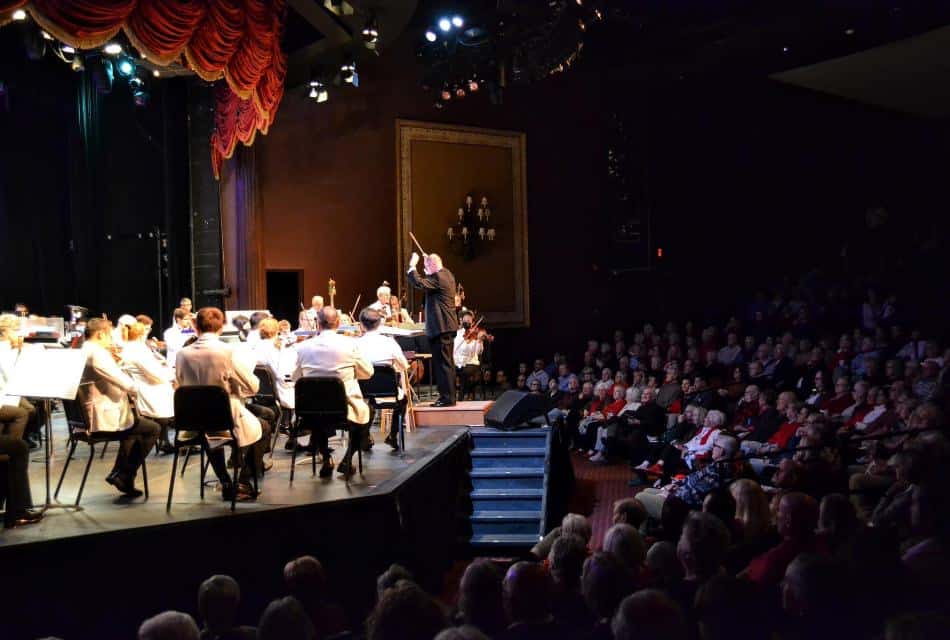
{"x":492,"y":161}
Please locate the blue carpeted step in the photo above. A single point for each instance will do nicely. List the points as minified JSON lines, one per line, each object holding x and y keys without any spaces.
{"x":492,"y":438}
{"x":508,"y":478}
{"x":512,"y":540}
{"x":507,"y":457}
{"x":506,"y":522}
{"x":507,"y":499}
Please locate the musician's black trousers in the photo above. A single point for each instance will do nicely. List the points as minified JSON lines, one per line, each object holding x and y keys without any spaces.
{"x":139,"y":440}
{"x":443,"y":365}
{"x":14,"y":482}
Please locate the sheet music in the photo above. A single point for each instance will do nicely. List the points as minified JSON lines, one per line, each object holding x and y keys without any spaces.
{"x":47,"y":373}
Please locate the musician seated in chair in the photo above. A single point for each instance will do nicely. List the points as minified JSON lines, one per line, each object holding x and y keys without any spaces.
{"x":209,"y":361}
{"x":333,"y":355}
{"x":381,"y":349}
{"x":104,"y":396}
{"x":382,"y":304}
{"x":467,"y":350}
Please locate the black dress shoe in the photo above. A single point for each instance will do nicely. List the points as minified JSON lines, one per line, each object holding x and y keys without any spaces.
{"x":443,"y":403}
{"x":24,"y":518}
{"x":165,"y":448}
{"x":326,"y":470}
{"x":123,"y":484}
{"x":345,"y":468}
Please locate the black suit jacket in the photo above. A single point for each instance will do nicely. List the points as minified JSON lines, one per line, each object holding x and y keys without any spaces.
{"x":439,"y":291}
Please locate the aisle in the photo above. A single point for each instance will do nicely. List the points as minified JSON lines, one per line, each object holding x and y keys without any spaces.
{"x":598,"y":486}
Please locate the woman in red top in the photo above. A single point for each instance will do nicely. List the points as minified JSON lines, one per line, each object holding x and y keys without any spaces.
{"x":841,"y":400}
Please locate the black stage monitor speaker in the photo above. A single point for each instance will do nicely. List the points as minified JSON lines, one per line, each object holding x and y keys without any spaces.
{"x":515,"y":410}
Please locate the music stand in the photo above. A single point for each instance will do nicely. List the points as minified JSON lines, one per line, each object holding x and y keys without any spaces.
{"x":47,"y":375}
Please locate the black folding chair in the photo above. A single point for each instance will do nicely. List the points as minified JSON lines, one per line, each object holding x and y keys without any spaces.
{"x":266,"y":396}
{"x":203,"y":418}
{"x":381,"y":391}
{"x":78,"y":428}
{"x":319,"y":403}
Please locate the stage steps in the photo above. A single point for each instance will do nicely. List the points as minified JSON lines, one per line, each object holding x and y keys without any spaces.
{"x":470,"y":413}
{"x":509,"y":486}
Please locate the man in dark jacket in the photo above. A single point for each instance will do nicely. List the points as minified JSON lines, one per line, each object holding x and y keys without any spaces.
{"x":438,"y":283}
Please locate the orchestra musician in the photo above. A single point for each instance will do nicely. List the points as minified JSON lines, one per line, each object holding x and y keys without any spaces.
{"x":209,"y":361}
{"x":16,"y":414}
{"x":438,"y":283}
{"x":269,"y":352}
{"x":177,"y":334}
{"x":156,"y":396}
{"x":400,"y":315}
{"x":185,"y":303}
{"x":104,"y":395}
{"x":382,"y":304}
{"x":330,"y":354}
{"x":468,"y":347}
{"x":381,"y":349}
{"x":307,"y":321}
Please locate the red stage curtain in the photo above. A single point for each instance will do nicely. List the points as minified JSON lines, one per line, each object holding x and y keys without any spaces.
{"x":238,"y":40}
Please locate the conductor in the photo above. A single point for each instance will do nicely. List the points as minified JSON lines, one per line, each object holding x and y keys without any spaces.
{"x":438,"y":283}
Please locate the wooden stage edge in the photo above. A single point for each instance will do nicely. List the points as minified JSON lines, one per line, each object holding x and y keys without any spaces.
{"x":470,"y":413}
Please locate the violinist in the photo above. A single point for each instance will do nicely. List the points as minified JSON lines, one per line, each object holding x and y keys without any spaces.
{"x":400,"y":315}
{"x":469,"y":345}
{"x":382,"y":304}
{"x":176,"y":335}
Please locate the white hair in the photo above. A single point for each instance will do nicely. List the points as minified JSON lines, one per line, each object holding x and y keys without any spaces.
{"x":315,"y":299}
{"x":382,"y":290}
{"x":717,"y":417}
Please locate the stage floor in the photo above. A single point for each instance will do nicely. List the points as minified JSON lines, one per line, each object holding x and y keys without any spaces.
{"x":105,"y":510}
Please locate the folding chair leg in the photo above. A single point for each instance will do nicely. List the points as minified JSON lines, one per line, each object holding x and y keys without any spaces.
{"x":145,"y":476}
{"x":72,"y":450}
{"x":82,"y":484}
{"x":184,"y":464}
{"x":359,"y":458}
{"x":237,"y":474}
{"x":293,"y":455}
{"x":204,"y":469}
{"x":171,"y":482}
{"x":103,"y":454}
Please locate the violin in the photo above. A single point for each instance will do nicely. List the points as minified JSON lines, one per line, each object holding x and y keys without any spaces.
{"x":477,"y":332}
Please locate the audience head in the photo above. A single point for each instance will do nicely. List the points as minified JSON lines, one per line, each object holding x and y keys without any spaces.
{"x":209,"y":320}
{"x":169,"y":625}
{"x":836,"y":517}
{"x":673,"y":516}
{"x":328,"y":318}
{"x":663,"y":563}
{"x":702,"y":546}
{"x":649,"y":614}
{"x":405,"y":612}
{"x":285,"y":619}
{"x":527,"y":593}
{"x":625,"y":543}
{"x":727,"y":608}
{"x":218,"y":599}
{"x":812,"y":585}
{"x":604,"y":583}
{"x":720,"y":503}
{"x":465,"y":632}
{"x":726,"y":447}
{"x":392,"y":576}
{"x":797,"y":516}
{"x":752,"y":507}
{"x":566,"y":559}
{"x":481,"y":603}
{"x":630,"y":511}
{"x":306,"y":580}
{"x":578,"y":525}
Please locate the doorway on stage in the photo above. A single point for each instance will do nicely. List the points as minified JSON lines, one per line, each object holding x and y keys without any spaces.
{"x":285,"y":293}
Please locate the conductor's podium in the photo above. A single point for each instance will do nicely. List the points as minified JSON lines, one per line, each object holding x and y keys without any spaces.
{"x":469,"y":414}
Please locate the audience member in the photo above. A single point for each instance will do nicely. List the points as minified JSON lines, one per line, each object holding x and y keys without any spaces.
{"x":405,"y":612}
{"x":218,"y":600}
{"x":605,"y":582}
{"x":649,"y":615}
{"x":480,"y":602}
{"x":306,"y":580}
{"x":169,"y":625}
{"x":285,"y":619}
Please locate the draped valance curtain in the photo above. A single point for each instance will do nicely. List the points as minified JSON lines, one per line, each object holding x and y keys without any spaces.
{"x":234,"y":40}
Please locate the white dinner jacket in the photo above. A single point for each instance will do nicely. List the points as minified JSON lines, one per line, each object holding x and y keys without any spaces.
{"x":333,"y":355}
{"x":156,"y":396}
{"x":104,"y":391}
{"x":268,"y":355}
{"x":210,"y":361}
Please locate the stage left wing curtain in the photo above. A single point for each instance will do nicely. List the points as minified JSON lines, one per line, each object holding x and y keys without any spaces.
{"x":234,"y":40}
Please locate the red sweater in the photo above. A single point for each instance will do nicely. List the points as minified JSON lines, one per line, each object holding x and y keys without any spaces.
{"x":781,"y":437}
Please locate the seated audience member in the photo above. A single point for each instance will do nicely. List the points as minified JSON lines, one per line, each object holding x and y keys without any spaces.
{"x":926,"y":387}
{"x":917,"y":626}
{"x":686,"y":426}
{"x":757,"y":534}
{"x":702,"y":551}
{"x":104,"y":394}
{"x":605,"y":583}
{"x":572,"y":523}
{"x":664,"y":566}
{"x":565,"y":563}
{"x":480,"y":602}
{"x":670,"y":391}
{"x":528,"y":590}
{"x":629,"y":511}
{"x":718,"y":473}
{"x":796,"y":522}
{"x":780,"y":443}
{"x":538,"y":374}
{"x":169,"y":625}
{"x":859,"y":407}
{"x":841,"y":400}
{"x":604,"y":431}
{"x":698,"y":448}
{"x":770,"y":418}
{"x":837,"y":522}
{"x":928,"y":561}
{"x":465,"y":632}
{"x":285,"y":619}
{"x":405,"y":612}
{"x":209,"y":361}
{"x":624,"y":542}
{"x":730,"y":355}
{"x":720,"y":503}
{"x":305,"y":580}
{"x":727,"y":608}
{"x":218,"y":599}
{"x":649,"y":615}
{"x":389,"y":578}
{"x":816,"y":597}
{"x":748,"y":407}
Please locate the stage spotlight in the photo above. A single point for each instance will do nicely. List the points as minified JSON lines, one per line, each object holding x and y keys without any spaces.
{"x":457,"y":22}
{"x":318,"y":91}
{"x":46,"y":36}
{"x":156,"y":73}
{"x":19,"y":15}
{"x":446,"y":95}
{"x":313,"y":92}
{"x":67,"y":49}
{"x":348,"y":73}
{"x":445,"y":24}
{"x":140,"y":98}
{"x":112,"y":49}
{"x":430,"y":35}
{"x":460,"y":93}
{"x":125,"y":67}
{"x":371,"y":33}
{"x":77,"y":64}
